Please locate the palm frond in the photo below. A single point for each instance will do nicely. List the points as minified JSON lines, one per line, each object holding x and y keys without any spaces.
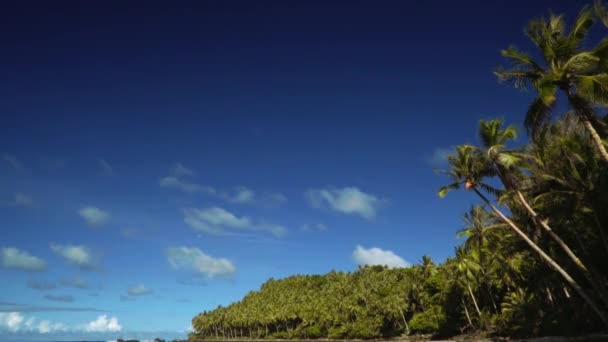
{"x":582,"y":63}
{"x":601,"y":12}
{"x":537,"y":116}
{"x":443,"y":191}
{"x":519,"y":77}
{"x":490,"y":189}
{"x":601,"y":51}
{"x":582,"y":25}
{"x":520,"y":59}
{"x":593,"y":88}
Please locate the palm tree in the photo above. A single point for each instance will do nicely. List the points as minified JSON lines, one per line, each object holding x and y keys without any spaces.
{"x":466,"y":269}
{"x":494,"y":139}
{"x":469,"y":167}
{"x":480,"y":226}
{"x":580,"y":75}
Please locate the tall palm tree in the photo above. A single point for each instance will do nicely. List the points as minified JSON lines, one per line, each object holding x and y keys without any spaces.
{"x":578,"y":74}
{"x":505,"y":162}
{"x":466,"y":270}
{"x":469,"y":167}
{"x":480,"y":229}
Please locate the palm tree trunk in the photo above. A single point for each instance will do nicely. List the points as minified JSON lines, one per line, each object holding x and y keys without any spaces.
{"x":474,"y":300}
{"x":466,"y":311}
{"x":597,"y":140}
{"x":577,"y":261}
{"x":546,"y":258}
{"x":407,"y":327}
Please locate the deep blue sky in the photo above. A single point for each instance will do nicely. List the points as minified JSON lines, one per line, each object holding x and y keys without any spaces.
{"x":302,"y":129}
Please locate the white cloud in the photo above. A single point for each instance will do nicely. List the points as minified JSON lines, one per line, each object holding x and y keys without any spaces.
{"x":94,"y":216}
{"x":218,"y":221}
{"x":106,"y":168}
{"x":76,"y":255}
{"x":139,"y":290}
{"x":245,"y":195}
{"x":13,"y":162}
{"x":193,"y":259}
{"x":377,"y":256}
{"x":242,"y":195}
{"x":15,"y":322}
{"x":11,"y":320}
{"x":349,"y":200}
{"x":103,"y":323}
{"x":14,"y":258}
{"x":175,"y":181}
{"x":318,"y":227}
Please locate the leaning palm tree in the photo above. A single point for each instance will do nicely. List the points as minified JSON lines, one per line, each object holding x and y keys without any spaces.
{"x":506,"y":162}
{"x":578,"y":74}
{"x":470,"y":167}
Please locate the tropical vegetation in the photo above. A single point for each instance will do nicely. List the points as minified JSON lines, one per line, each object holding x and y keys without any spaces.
{"x":534,"y":256}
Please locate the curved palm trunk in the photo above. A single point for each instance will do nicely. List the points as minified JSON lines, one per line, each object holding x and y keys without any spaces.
{"x":599,"y":289}
{"x":546,"y":258}
{"x":577,"y":261}
{"x":474,"y":300}
{"x":597,"y":140}
{"x":583,"y":111}
{"x":407,"y":327}
{"x":466,"y":311}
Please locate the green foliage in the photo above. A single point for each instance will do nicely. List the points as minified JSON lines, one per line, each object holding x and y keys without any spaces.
{"x":429,"y":321}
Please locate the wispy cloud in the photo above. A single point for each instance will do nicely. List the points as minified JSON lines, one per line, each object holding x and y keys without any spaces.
{"x":14,"y":258}
{"x":313,"y":227}
{"x":349,"y":200}
{"x":94,"y":216}
{"x":41,"y":285}
{"x":245,"y":195}
{"x":59,"y":298}
{"x":139,"y":290}
{"x":15,"y":163}
{"x":377,"y":256}
{"x":195,"y":260}
{"x":180,"y":170}
{"x":105,"y":167}
{"x":219,"y":221}
{"x":179,"y":179}
{"x":76,"y":282}
{"x":17,"y":307}
{"x":79,"y":256}
{"x":172,"y":182}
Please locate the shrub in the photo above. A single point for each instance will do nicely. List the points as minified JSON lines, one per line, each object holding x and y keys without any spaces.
{"x":429,"y":321}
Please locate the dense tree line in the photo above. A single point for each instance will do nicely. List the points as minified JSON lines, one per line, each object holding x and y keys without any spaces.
{"x":534,"y":259}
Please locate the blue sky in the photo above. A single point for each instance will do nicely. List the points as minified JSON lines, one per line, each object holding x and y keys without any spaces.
{"x":156,"y":162}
